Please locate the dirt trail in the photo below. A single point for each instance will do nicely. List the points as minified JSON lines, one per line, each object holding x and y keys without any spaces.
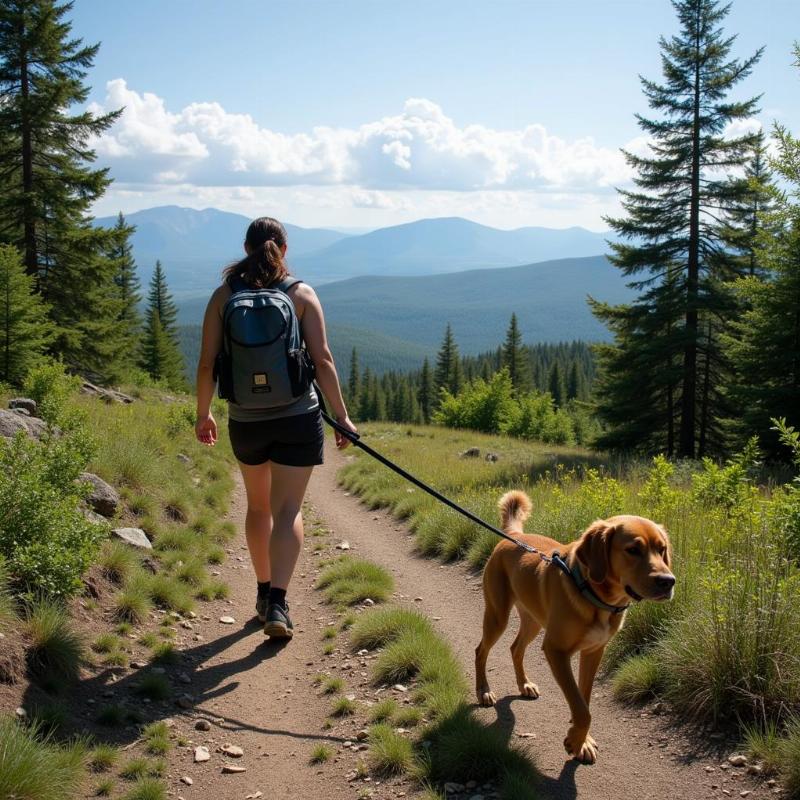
{"x":641,"y":756}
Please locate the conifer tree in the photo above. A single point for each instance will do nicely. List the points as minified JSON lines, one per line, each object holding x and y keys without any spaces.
{"x":24,"y":329}
{"x":448,"y":373}
{"x":575,"y":382}
{"x":126,"y":279}
{"x":48,"y":181}
{"x":673,"y":238}
{"x":425,"y":391}
{"x":515,"y":359}
{"x":555,"y":384}
{"x":161,"y":355}
{"x":354,"y":381}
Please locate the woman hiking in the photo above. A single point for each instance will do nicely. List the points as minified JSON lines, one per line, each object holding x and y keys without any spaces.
{"x":275,"y":424}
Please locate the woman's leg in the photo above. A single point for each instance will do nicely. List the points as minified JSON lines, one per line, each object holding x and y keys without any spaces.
{"x":258,"y":523}
{"x":288,"y":489}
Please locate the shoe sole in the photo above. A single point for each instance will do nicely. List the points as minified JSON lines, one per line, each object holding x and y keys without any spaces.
{"x":277,"y":630}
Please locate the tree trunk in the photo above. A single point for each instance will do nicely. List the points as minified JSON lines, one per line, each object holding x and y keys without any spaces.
{"x":689,"y":394}
{"x":704,"y":400}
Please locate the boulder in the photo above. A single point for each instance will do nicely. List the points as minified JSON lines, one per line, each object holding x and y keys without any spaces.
{"x":11,"y":423}
{"x":471,"y":452}
{"x":133,"y":536}
{"x":94,"y":517}
{"x":24,"y":403}
{"x":104,"y":498}
{"x":492,"y":456}
{"x":109,"y":395}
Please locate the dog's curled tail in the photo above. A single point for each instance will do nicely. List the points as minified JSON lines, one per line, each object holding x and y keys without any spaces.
{"x":515,"y":507}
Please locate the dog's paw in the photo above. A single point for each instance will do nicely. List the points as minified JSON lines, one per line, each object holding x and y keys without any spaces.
{"x":487,"y":699}
{"x":582,"y":748}
{"x":529,"y":689}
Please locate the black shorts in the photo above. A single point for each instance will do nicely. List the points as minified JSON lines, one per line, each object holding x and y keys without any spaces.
{"x":295,"y":441}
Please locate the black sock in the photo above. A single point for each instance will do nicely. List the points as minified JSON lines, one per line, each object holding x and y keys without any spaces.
{"x":277,"y":596}
{"x":263,"y":589}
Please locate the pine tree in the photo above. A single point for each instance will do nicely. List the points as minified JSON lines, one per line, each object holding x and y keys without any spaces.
{"x":515,"y":359}
{"x":425,"y":391}
{"x":48,"y":182}
{"x":764,"y":344}
{"x":161,"y":355}
{"x":448,"y":373}
{"x":673,"y":230}
{"x":354,"y":381}
{"x":575,"y":382}
{"x":555,"y":384}
{"x":129,"y":321}
{"x":24,"y":330}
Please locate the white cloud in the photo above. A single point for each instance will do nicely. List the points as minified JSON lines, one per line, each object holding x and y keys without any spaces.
{"x":420,"y":148}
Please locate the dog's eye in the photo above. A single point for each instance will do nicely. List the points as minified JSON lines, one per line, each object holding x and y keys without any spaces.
{"x":633,"y":550}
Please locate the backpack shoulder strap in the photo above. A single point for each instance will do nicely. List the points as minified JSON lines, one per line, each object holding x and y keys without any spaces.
{"x":286,"y":283}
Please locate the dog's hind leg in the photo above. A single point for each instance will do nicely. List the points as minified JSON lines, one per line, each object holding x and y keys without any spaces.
{"x":528,"y":630}
{"x":495,"y":620}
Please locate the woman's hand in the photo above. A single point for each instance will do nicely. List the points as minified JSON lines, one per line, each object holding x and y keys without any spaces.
{"x":341,"y":440}
{"x":206,"y":430}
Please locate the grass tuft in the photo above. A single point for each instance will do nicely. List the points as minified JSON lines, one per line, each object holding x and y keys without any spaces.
{"x":32,"y":766}
{"x":320,"y":754}
{"x":56,"y":649}
{"x":155,"y":687}
{"x":390,"y":753}
{"x":332,"y":686}
{"x":638,"y":678}
{"x":147,"y":789}
{"x":343,"y":707}
{"x":384,"y":710}
{"x":103,"y":757}
{"x":348,"y":581}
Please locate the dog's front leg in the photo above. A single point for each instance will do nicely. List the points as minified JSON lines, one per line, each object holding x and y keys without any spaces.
{"x":589,"y":664}
{"x":577,"y":742}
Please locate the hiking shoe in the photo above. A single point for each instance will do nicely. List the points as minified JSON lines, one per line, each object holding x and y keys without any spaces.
{"x":278,"y":624}
{"x":261,"y":607}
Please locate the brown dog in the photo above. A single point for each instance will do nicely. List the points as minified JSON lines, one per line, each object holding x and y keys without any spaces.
{"x":619,"y":558}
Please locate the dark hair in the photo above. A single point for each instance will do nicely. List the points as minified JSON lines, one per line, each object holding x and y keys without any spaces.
{"x":264,"y":264}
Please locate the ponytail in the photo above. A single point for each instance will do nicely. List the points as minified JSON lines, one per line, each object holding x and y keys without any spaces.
{"x":264,"y":264}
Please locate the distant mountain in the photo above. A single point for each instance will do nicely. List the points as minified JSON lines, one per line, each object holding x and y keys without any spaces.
{"x":549,"y":300}
{"x":194,"y":245}
{"x":435,"y":246}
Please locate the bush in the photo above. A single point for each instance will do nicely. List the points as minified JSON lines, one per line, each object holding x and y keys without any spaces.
{"x":56,"y":650}
{"x":52,"y":389}
{"x":47,"y":542}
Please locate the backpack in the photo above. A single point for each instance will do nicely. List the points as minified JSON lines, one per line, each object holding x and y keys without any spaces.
{"x":263,"y":363}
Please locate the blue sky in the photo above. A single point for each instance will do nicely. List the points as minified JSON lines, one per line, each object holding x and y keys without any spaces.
{"x":371,"y":113}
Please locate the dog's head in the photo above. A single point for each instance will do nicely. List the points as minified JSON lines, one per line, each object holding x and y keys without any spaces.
{"x":632,"y":552}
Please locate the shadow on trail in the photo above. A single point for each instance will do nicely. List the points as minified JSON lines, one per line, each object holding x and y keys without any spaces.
{"x":112,"y":705}
{"x":564,"y":786}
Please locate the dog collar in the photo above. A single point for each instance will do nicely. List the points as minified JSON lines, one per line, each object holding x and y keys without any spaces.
{"x":584,"y":587}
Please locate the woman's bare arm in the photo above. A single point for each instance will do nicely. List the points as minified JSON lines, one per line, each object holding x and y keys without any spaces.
{"x":206,"y":426}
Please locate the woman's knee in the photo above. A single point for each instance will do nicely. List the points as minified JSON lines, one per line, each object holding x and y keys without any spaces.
{"x":284,"y":518}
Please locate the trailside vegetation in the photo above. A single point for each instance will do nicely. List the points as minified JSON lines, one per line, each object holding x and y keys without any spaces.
{"x":161,"y":354}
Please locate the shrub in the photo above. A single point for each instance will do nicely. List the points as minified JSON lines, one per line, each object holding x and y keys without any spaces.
{"x":47,"y":542}
{"x":33,"y":767}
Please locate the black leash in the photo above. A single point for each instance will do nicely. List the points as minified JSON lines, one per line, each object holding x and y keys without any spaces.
{"x":355,"y":439}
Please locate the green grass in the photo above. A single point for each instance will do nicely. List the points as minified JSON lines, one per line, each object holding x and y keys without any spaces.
{"x":133,"y":603}
{"x":155,"y":687}
{"x":332,"y":686}
{"x":149,"y":639}
{"x":320,"y":754}
{"x":103,"y":757}
{"x":347,"y":621}
{"x":156,"y":739}
{"x":118,"y":561}
{"x":408,"y":717}
{"x":329,"y":632}
{"x":123,"y":628}
{"x":638,"y":678}
{"x":383,"y":710}
{"x":56,"y":648}
{"x":328,"y":649}
{"x":348,"y":581}
{"x":138,"y":768}
{"x":106,"y":642}
{"x":390,"y":753}
{"x":165,"y":653}
{"x":33,"y":767}
{"x":116,"y":658}
{"x":343,"y":707}
{"x":104,"y":787}
{"x":213,"y":590}
{"x":147,"y":789}
{"x":170,"y":593}
{"x":112,"y":715}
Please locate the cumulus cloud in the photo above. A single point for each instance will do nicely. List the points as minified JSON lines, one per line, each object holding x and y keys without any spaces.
{"x":420,"y":148}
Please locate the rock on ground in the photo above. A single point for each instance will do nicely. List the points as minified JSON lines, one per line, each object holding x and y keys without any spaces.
{"x":109,"y":395}
{"x":24,"y":403}
{"x":104,"y":498}
{"x":11,"y":423}
{"x":133,"y":536}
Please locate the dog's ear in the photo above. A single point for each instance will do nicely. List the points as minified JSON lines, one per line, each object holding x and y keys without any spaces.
{"x":594,"y":549}
{"x":668,"y":553}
